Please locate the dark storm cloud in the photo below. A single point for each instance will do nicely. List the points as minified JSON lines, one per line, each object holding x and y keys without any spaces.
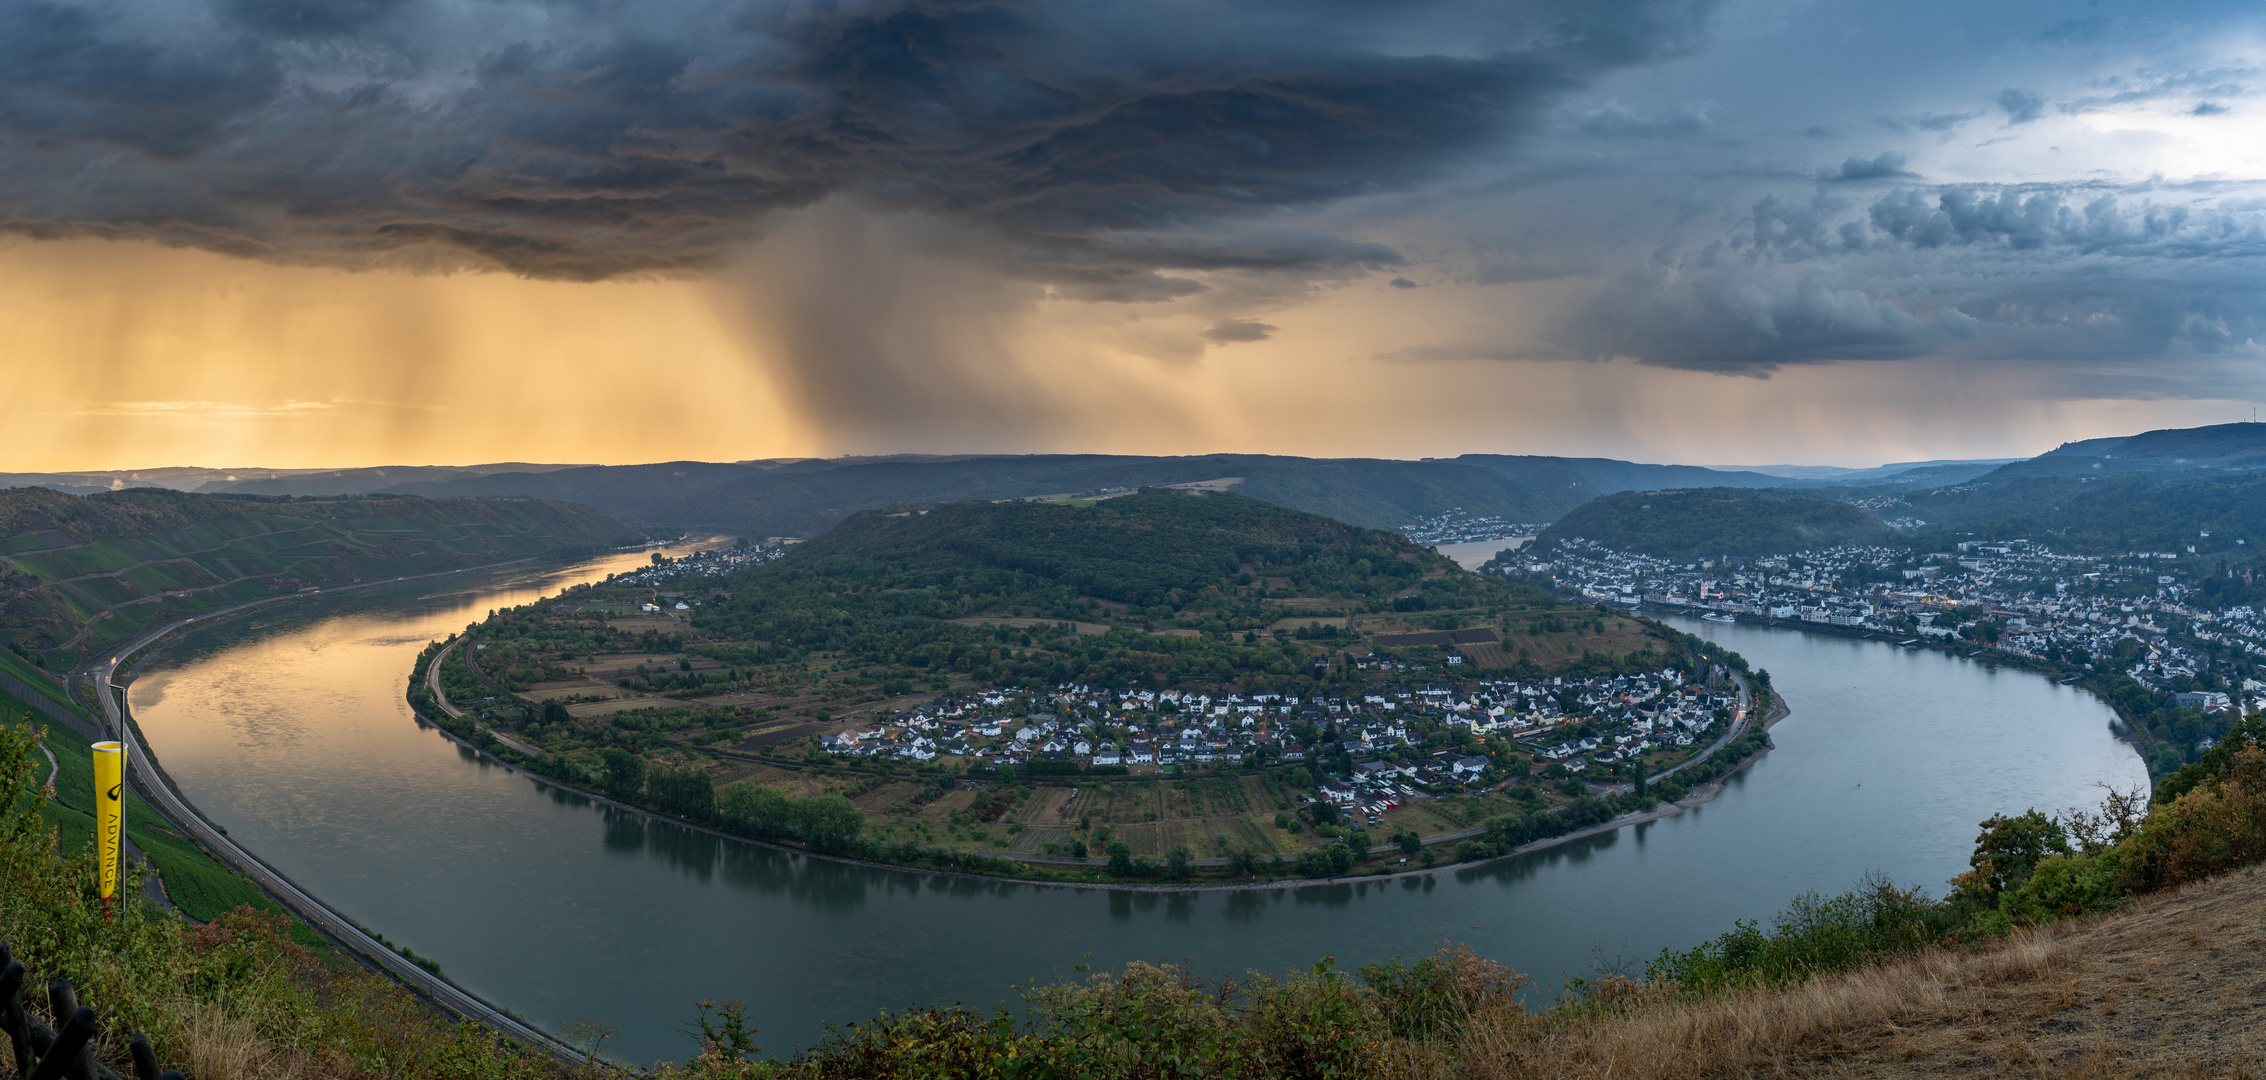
{"x":1231,"y":331}
{"x":1615,"y":121}
{"x":1886,"y":165}
{"x":2022,"y":106}
{"x":1094,"y":143}
{"x":1926,"y":121}
{"x":2058,"y":273}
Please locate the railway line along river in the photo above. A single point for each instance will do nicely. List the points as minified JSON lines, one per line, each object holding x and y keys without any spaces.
{"x":288,"y":727}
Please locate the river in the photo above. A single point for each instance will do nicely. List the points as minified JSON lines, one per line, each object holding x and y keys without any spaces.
{"x":288,"y":727}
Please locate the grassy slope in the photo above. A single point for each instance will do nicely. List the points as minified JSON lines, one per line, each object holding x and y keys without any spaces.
{"x":2165,"y":987}
{"x":1710,"y":522}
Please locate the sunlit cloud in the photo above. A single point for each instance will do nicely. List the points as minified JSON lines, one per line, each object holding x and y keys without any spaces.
{"x":423,"y":232}
{"x":236,"y":411}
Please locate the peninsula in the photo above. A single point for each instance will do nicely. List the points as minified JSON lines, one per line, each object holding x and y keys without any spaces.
{"x":1166,"y":687}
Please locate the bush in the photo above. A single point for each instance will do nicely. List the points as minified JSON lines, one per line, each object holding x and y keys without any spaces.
{"x":1813,"y":936}
{"x":2065,"y":886}
{"x":2218,"y":824}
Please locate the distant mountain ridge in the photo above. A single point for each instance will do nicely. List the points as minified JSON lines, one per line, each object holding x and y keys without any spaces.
{"x":804,"y":497}
{"x":2218,"y":448}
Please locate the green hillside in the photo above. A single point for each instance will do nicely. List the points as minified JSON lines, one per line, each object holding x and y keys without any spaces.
{"x":1161,"y":589}
{"x":2218,"y":448}
{"x":1707,"y":523}
{"x":1158,"y":549}
{"x":78,"y":574}
{"x":2110,"y":514}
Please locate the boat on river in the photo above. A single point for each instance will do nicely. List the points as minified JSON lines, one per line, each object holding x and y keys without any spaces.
{"x":1718,"y":617}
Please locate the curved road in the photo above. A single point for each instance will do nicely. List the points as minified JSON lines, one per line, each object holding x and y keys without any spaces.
{"x":440,"y":698}
{"x":155,"y":788}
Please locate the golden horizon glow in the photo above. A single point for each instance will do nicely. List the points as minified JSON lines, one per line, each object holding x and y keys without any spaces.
{"x":126,"y":355}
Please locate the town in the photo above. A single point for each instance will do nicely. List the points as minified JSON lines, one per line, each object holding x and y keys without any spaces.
{"x":2136,"y":616}
{"x":1378,"y":747}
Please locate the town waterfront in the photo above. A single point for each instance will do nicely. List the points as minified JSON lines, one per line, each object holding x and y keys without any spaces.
{"x":288,"y":727}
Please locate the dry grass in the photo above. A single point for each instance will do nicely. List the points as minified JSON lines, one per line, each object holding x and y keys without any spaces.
{"x":220,"y":1047}
{"x":2170,"y":987}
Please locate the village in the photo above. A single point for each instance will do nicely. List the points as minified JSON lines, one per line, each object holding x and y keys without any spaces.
{"x":1370,"y":750}
{"x":2138,"y":615}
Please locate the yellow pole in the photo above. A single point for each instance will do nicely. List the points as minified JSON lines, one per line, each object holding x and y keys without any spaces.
{"x":109,"y":811}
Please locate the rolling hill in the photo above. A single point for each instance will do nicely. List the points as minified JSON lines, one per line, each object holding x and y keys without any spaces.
{"x":2197,"y":451}
{"x":1710,"y":522}
{"x":79,"y":573}
{"x":2117,"y":512}
{"x":1156,"y":549}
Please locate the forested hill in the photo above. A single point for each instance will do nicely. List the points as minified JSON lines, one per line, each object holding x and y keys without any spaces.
{"x":2127,"y":512}
{"x":1159,"y":549}
{"x":80,"y":573}
{"x":1230,"y":585}
{"x":1707,"y":523}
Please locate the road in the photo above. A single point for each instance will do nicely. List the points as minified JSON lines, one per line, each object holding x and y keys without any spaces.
{"x":154,"y":787}
{"x":440,"y":697}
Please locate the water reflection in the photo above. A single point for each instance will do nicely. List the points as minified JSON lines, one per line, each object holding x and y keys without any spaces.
{"x":292,"y":732}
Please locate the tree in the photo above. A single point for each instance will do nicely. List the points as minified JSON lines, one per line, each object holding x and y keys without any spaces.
{"x":828,"y":822}
{"x":752,"y":809}
{"x":1341,"y":859}
{"x":2008,"y":849}
{"x":686,"y":792}
{"x":1179,"y":863}
{"x":1120,"y":858}
{"x":625,"y":772}
{"x":1411,"y":843}
{"x":554,"y":713}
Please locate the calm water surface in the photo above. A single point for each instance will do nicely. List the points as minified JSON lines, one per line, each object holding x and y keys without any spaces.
{"x":289,"y":728}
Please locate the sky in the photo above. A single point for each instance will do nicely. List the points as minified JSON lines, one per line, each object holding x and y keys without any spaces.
{"x":327,"y":233}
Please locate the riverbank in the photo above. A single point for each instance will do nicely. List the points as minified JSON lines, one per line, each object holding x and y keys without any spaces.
{"x":2129,"y":730}
{"x":164,"y":796}
{"x":545,"y":904}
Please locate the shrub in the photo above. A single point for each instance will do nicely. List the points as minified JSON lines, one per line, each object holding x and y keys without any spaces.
{"x":2216,"y":825}
{"x":1813,"y":936}
{"x":2066,"y":886}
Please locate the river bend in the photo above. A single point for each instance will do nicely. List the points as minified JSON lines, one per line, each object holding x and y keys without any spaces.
{"x":288,"y":727}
